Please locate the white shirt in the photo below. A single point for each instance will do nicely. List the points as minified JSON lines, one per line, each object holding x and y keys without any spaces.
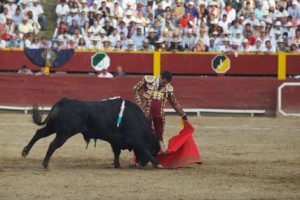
{"x":107,"y":75}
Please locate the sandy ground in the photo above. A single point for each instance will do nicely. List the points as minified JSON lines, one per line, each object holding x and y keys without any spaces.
{"x":244,"y":158}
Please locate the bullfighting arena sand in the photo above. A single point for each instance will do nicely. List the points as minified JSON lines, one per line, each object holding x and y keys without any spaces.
{"x":244,"y":158}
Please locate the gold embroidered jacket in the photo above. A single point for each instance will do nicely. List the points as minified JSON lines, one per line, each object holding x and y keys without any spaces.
{"x":146,"y":90}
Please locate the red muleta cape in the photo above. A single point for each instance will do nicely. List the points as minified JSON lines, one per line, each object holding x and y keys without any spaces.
{"x":182,"y":150}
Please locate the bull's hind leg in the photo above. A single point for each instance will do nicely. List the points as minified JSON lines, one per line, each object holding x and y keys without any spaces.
{"x":55,"y":144}
{"x":40,"y":133}
{"x":117,"y":152}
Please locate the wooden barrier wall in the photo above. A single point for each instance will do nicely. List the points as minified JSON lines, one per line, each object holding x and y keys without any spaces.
{"x":192,"y":92}
{"x":178,"y":63}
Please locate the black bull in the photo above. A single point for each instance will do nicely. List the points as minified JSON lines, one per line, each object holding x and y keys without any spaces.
{"x":97,"y":120}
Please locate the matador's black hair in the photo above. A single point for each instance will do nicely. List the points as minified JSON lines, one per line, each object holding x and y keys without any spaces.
{"x":167,"y":75}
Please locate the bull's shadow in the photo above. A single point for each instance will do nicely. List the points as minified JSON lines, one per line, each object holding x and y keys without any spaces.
{"x":98,"y":120}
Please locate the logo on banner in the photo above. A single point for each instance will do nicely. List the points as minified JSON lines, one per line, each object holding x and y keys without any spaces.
{"x":220,"y":64}
{"x":100,"y":61}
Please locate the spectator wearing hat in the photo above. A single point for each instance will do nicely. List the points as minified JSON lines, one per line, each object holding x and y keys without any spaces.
{"x":179,"y":10}
{"x":73,"y":15}
{"x":225,"y":47}
{"x":229,"y":11}
{"x":38,"y":13}
{"x":290,"y":30}
{"x":214,"y":26}
{"x":23,"y":7}
{"x":94,"y":7}
{"x":200,"y":47}
{"x":83,"y":7}
{"x":72,"y":44}
{"x":61,"y":43}
{"x":175,"y":46}
{"x":258,"y":47}
{"x":213,"y":9}
{"x":88,"y":36}
{"x":245,"y":47}
{"x":128,"y":17}
{"x":62,"y":10}
{"x":146,"y":46}
{"x":106,"y":44}
{"x":294,"y":10}
{"x":160,"y":45}
{"x":114,"y":37}
{"x":203,"y":36}
{"x":281,"y":46}
{"x":152,"y":37}
{"x":257,"y":27}
{"x":9,"y":26}
{"x":95,"y":44}
{"x":11,"y":6}
{"x":191,"y":9}
{"x":130,"y":46}
{"x":238,"y":37}
{"x":25,"y":26}
{"x":235,"y":46}
{"x":277,"y":28}
{"x":159,"y":10}
{"x":165,"y":36}
{"x":138,"y":37}
{"x":188,"y":40}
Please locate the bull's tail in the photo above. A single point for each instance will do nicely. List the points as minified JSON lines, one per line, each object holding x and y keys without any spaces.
{"x":37,"y":115}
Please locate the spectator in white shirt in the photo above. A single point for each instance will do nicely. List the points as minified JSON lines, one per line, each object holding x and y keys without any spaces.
{"x":105,"y":74}
{"x":62,"y":10}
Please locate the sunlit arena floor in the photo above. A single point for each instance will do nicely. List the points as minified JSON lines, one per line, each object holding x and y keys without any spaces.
{"x":244,"y":158}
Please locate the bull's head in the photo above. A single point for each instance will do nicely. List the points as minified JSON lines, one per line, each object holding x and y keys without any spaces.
{"x":153,"y":147}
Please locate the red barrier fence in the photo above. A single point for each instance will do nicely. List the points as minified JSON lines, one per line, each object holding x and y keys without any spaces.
{"x":211,"y":92}
{"x":178,"y":63}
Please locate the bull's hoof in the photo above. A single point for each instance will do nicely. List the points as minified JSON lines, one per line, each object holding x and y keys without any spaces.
{"x":158,"y":166}
{"x":117,"y":165}
{"x":45,"y":165}
{"x":24,"y":152}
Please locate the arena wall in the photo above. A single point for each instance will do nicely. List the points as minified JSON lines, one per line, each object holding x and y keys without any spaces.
{"x":251,"y":82}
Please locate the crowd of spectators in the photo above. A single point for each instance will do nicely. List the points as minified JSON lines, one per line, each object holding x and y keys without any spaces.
{"x":156,"y":25}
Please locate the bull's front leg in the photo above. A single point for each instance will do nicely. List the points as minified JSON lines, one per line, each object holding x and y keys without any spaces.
{"x":117,"y":152}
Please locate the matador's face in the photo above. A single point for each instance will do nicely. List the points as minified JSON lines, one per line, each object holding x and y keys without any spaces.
{"x":163,"y":82}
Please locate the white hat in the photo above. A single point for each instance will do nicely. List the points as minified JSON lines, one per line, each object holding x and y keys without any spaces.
{"x":175,"y":40}
{"x":191,"y":3}
{"x":288,"y":24}
{"x":95,"y":38}
{"x":24,"y":2}
{"x":235,"y":42}
{"x":145,"y":40}
{"x":257,"y":24}
{"x":189,"y":30}
{"x":83,"y":1}
{"x":152,"y":30}
{"x":279,"y":14}
{"x":277,"y":32}
{"x":238,"y":31}
{"x":225,"y":39}
{"x":90,"y":30}
{"x":60,"y":38}
{"x":95,"y":2}
{"x":215,"y":33}
{"x":266,"y":13}
{"x":129,"y":41}
{"x":160,"y":40}
{"x":295,"y":2}
{"x":9,"y":17}
{"x":258,"y":40}
{"x":280,"y":40}
{"x":105,"y":39}
{"x":215,"y":21}
{"x":278,"y":23}
{"x":165,"y":30}
{"x":36,"y":1}
{"x":268,"y":20}
{"x":213,"y":3}
{"x":73,"y":10}
{"x":226,"y":32}
{"x":245,"y":40}
{"x":128,"y":12}
{"x":191,"y":23}
{"x":102,"y":31}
